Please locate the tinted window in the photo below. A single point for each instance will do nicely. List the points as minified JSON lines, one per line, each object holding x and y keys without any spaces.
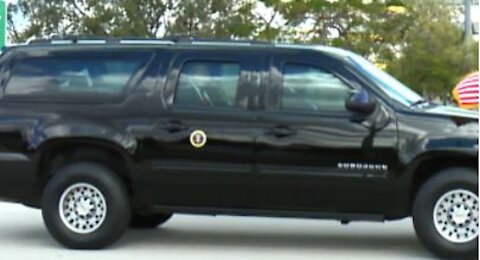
{"x":208,"y":84}
{"x":52,"y":76}
{"x":309,"y":88}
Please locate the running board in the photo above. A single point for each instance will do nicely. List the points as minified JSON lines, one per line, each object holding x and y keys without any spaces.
{"x":343,"y":217}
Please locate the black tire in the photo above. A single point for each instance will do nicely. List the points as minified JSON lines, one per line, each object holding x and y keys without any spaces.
{"x":117,"y":214}
{"x":423,"y":210}
{"x":149,"y":221}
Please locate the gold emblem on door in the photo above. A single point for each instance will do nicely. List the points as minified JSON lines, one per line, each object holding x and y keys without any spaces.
{"x":198,"y":138}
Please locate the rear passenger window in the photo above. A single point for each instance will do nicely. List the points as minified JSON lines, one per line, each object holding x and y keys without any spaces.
{"x":207,"y":84}
{"x":309,"y":88}
{"x":66,"y":76}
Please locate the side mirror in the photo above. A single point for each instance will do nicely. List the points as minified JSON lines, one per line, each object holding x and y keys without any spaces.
{"x":361,"y":102}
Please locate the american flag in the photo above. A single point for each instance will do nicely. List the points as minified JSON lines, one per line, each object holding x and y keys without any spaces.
{"x":466,"y":92}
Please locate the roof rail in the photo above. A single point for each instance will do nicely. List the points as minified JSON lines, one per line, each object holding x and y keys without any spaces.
{"x":96,"y":40}
{"x":136,"y":40}
{"x":181,"y":39}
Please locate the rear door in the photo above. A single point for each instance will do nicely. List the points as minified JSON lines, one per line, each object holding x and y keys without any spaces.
{"x":204,"y":137}
{"x":313,"y":154}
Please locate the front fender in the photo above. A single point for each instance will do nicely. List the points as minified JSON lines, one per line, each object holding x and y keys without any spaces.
{"x":439,"y":150}
{"x":430,"y":136}
{"x":440,"y":155}
{"x":428,"y":144}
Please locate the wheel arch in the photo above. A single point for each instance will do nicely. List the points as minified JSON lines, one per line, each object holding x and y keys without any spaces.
{"x":56,"y":152}
{"x":429,"y":164}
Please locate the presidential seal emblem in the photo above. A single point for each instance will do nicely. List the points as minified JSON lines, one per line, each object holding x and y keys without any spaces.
{"x":198,"y":138}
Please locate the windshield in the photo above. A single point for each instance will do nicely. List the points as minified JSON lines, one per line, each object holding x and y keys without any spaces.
{"x":391,"y":86}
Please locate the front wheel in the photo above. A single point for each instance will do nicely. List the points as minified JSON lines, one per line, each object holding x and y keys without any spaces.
{"x":85,"y":206}
{"x":445,"y":214}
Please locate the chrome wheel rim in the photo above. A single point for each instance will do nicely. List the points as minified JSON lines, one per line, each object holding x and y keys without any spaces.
{"x":82,"y":208}
{"x":456,"y":216}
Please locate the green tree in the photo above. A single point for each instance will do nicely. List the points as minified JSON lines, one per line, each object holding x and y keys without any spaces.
{"x":143,"y":18}
{"x":369,"y":28}
{"x":211,"y":18}
{"x":434,"y":56}
{"x":88,"y":17}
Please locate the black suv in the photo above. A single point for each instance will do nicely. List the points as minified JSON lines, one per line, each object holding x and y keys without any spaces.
{"x":106,"y":134}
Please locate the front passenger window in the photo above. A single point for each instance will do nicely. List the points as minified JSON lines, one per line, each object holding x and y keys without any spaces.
{"x":308,"y":88}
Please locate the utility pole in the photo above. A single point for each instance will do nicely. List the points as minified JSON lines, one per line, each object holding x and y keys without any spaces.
{"x":468,"y":19}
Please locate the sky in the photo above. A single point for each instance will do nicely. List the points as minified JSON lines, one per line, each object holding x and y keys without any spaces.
{"x":476,"y":14}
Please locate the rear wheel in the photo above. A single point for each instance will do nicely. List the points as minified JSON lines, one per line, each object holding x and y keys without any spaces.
{"x":149,"y":221}
{"x":85,"y":206}
{"x":445,"y":213}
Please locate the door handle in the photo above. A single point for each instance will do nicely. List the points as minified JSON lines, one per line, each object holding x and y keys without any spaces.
{"x":172,"y":126}
{"x":280,"y":131}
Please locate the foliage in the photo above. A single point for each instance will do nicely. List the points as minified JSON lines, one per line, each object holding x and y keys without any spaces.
{"x":415,"y":40}
{"x":87,"y":17}
{"x":132,"y":18}
{"x":435,"y":55}
{"x":211,"y":18}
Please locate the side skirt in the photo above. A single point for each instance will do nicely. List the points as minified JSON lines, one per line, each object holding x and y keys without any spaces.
{"x":343,"y":217}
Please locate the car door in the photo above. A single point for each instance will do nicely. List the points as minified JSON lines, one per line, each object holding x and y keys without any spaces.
{"x":313,"y":154}
{"x":204,"y":136}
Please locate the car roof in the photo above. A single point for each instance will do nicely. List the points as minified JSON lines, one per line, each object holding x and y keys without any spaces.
{"x":76,"y":43}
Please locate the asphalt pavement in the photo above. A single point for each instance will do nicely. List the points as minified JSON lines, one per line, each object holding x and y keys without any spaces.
{"x":23,"y":236}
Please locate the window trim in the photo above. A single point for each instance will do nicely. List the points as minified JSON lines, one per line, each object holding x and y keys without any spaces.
{"x":75,"y":98}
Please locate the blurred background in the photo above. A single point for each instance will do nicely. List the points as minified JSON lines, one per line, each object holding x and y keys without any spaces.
{"x":428,"y":44}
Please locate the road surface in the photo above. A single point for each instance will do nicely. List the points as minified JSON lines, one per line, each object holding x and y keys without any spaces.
{"x":23,"y":236}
